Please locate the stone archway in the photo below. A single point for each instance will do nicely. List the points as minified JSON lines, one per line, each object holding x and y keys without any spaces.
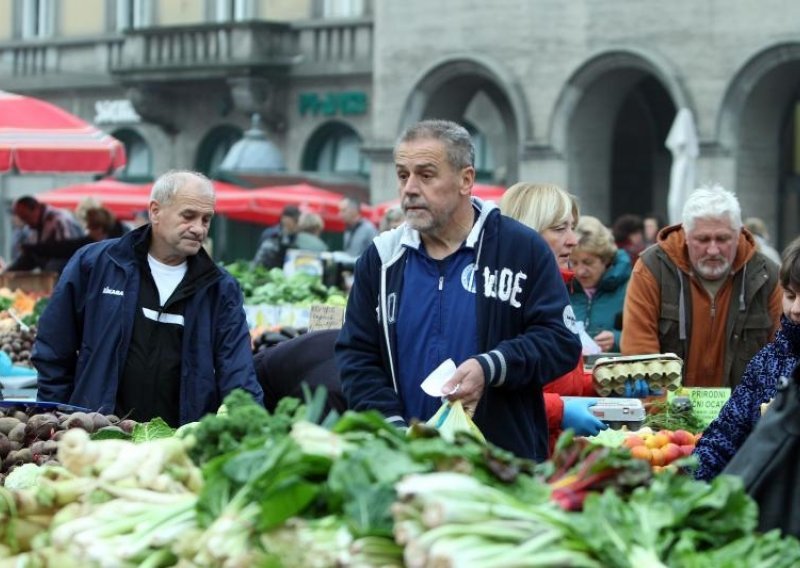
{"x":759,"y":124}
{"x":610,"y":123}
{"x":335,"y":147}
{"x":481,"y":95}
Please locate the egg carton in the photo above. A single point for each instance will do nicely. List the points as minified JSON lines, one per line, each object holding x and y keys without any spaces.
{"x":660,"y":371}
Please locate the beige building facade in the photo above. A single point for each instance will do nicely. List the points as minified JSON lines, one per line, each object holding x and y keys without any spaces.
{"x":580,"y":93}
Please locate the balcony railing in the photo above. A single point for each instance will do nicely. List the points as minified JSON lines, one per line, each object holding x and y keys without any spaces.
{"x":189,"y":48}
{"x":314,"y":47}
{"x":77,"y":60}
{"x":343,"y":46}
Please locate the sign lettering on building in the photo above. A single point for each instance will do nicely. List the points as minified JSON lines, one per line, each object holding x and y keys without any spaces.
{"x":117,"y":111}
{"x":347,"y":103}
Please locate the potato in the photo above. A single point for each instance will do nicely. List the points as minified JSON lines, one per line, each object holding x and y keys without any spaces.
{"x":7,"y":424}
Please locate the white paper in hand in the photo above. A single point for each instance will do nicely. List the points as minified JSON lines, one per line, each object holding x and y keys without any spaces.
{"x":433,"y":383}
{"x":589,"y":345}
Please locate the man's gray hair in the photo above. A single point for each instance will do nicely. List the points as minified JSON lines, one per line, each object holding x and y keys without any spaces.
{"x":456,"y":139}
{"x":168,"y":184}
{"x":712,"y":202}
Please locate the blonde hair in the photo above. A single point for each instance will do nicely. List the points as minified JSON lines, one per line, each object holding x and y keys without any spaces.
{"x":540,"y":206}
{"x":595,"y":238}
{"x":310,"y":223}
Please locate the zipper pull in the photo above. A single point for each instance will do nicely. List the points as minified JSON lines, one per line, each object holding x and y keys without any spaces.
{"x":441,"y":283}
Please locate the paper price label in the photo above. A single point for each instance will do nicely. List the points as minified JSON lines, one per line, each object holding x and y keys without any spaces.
{"x":325,"y":317}
{"x":706,"y":402}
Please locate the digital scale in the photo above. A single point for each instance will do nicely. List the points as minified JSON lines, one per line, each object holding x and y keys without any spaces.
{"x":617,"y":412}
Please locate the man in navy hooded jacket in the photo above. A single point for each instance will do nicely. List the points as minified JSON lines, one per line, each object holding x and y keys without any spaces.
{"x":460,"y":281}
{"x":147,"y":325}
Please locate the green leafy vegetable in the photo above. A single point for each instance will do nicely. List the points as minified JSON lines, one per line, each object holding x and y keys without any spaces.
{"x":153,"y":430}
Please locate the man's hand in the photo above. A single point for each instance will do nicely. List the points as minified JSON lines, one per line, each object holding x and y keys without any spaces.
{"x":466,"y":385}
{"x":604,"y":340}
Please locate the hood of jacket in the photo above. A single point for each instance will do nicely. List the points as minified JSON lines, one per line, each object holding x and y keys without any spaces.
{"x":673,"y":240}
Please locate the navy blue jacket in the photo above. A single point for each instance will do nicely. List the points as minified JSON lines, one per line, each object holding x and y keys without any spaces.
{"x":521,"y":309}
{"x":85,"y":331}
{"x":726,"y":434}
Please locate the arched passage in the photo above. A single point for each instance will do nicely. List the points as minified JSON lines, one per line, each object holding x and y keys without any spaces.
{"x":214,"y":146}
{"x":139,"y":165}
{"x":479,"y":95}
{"x":336,"y":148}
{"x":611,"y":123}
{"x":759,"y":124}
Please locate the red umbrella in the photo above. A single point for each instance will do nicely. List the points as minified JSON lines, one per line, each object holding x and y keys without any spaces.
{"x":484,"y":192}
{"x":38,"y":137}
{"x":265,"y":205}
{"x":122,"y":199}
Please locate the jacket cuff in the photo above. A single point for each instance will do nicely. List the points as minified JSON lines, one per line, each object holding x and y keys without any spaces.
{"x":494,"y":367}
{"x":398,"y":421}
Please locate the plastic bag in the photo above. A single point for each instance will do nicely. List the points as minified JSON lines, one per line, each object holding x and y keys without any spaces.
{"x":451,"y":418}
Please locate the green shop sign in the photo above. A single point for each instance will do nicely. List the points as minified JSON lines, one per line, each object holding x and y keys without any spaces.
{"x":347,"y":103}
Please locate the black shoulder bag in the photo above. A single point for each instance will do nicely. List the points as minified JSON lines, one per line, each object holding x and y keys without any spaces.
{"x":769,"y":460}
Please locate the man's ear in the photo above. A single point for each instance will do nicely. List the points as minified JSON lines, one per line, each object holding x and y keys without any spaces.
{"x":467,"y":179}
{"x":153,"y":209}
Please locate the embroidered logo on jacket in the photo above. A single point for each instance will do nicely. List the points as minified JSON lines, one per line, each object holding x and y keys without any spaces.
{"x":113,"y":292}
{"x":503,"y":284}
{"x":468,"y":278}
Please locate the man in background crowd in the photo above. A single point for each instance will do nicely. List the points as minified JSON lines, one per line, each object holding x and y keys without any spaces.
{"x":359,"y":232}
{"x":760,"y":233}
{"x":704,"y":293}
{"x":46,"y":225}
{"x":276,"y":240}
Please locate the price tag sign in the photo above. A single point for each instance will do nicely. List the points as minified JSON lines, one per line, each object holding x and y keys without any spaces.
{"x":706,"y":402}
{"x":322,"y":316}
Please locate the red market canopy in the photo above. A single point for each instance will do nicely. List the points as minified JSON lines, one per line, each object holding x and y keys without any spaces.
{"x":124,"y":200}
{"x":265,"y":205}
{"x":484,"y":192}
{"x":39,"y":137}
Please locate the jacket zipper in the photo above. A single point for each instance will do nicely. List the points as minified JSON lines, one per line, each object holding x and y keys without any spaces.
{"x":441,"y":283}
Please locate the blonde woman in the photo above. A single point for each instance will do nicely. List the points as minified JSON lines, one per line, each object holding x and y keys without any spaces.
{"x":553,"y":213}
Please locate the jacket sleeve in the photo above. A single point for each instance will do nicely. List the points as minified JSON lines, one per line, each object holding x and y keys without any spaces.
{"x":365,"y":382}
{"x":641,"y":313}
{"x":545,"y":348}
{"x":233,"y":356}
{"x":725,"y":435}
{"x":58,"y":338}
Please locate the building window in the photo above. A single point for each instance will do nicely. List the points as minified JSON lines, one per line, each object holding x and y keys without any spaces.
{"x":234,"y":10}
{"x":342,"y":8}
{"x":335,"y":148}
{"x":139,"y":167}
{"x":132,"y":14}
{"x":38,"y":18}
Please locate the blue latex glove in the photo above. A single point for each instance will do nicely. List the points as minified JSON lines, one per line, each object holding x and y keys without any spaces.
{"x":8,"y":369}
{"x":639,"y":389}
{"x":578,"y":417}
